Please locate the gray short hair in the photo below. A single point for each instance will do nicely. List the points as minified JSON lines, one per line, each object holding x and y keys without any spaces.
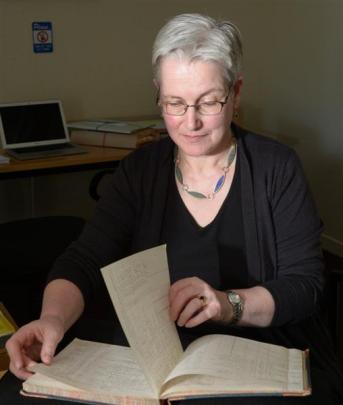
{"x":199,"y":37}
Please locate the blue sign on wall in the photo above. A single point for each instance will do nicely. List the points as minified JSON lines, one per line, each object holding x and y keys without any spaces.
{"x":42,"y":37}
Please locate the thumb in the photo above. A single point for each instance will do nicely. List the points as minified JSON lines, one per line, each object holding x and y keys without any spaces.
{"x":49,"y":347}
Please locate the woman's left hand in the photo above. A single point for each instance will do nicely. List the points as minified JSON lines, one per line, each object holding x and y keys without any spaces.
{"x":192,"y":301}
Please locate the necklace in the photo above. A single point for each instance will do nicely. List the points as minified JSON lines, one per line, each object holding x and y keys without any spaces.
{"x":220,"y":182}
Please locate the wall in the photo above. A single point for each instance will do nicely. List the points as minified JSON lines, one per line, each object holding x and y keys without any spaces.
{"x":101,"y":67}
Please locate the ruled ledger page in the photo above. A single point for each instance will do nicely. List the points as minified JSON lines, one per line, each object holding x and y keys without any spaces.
{"x":139,"y":286}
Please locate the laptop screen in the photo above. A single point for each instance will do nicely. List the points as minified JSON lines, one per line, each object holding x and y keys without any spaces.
{"x":32,"y":123}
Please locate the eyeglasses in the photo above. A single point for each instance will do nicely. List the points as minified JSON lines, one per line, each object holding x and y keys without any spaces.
{"x":205,"y":108}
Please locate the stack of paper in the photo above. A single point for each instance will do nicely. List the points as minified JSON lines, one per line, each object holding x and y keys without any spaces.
{"x":121,"y":127}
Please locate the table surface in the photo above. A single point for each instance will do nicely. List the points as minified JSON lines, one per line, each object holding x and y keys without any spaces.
{"x":96,"y":155}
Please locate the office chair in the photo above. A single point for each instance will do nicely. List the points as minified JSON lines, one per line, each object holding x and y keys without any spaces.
{"x":27,"y":251}
{"x":99,"y":182}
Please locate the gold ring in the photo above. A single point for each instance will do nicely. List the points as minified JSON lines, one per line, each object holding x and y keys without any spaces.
{"x":203,"y":300}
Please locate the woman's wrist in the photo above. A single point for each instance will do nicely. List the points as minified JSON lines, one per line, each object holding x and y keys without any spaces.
{"x":236,"y":302}
{"x":259,"y":306}
{"x":63,"y":302}
{"x":227,"y":309}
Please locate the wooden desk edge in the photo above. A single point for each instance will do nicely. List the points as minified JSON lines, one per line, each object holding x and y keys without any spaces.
{"x":95,"y":154}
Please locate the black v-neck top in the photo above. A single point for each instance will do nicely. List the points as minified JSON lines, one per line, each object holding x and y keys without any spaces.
{"x":215,"y":253}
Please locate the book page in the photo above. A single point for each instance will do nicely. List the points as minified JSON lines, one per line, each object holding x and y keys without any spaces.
{"x":246,"y":364}
{"x":98,"y":367}
{"x":41,"y":386}
{"x":86,"y":125}
{"x":120,"y":126}
{"x":139,"y":286}
{"x":197,"y":385}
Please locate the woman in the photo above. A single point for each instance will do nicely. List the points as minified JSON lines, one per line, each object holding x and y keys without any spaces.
{"x":233,"y":207}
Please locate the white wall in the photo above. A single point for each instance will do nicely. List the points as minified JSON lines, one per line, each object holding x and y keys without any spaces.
{"x":101,"y":67}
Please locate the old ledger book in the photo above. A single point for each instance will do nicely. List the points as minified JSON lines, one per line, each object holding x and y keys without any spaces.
{"x":115,"y":140}
{"x":155,"y":367}
{"x":112,"y":133}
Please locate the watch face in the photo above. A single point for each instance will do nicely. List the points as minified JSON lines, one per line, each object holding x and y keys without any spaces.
{"x":235,"y":298}
{"x":237,"y":306}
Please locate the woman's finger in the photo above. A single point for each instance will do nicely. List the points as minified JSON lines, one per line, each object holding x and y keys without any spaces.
{"x":193,"y":307}
{"x":21,"y":373}
{"x":19,"y":363}
{"x":202,"y":316}
{"x":181,"y":299}
{"x":184,"y":283}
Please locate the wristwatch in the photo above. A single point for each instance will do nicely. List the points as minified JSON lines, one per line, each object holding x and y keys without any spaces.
{"x":237,"y":303}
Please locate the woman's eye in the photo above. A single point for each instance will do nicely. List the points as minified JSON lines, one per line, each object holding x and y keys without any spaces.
{"x":176,"y":104}
{"x":209,"y":103}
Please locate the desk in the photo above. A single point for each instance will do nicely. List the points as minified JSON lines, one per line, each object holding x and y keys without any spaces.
{"x":96,"y":157}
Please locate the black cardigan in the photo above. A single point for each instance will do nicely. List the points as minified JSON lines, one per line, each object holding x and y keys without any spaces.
{"x":281,"y":226}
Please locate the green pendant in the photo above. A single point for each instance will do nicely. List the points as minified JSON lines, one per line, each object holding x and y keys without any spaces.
{"x":220,"y":182}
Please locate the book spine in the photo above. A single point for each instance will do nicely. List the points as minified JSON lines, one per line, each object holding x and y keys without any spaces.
{"x":120,"y":140}
{"x":93,"y":138}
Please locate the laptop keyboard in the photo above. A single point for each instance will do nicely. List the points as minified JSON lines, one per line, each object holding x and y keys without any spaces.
{"x":43,"y":148}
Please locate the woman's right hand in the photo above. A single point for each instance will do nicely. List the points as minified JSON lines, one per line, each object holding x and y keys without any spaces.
{"x":33,"y":342}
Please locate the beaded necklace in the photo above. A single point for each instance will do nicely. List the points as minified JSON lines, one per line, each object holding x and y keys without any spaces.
{"x":220,"y":182}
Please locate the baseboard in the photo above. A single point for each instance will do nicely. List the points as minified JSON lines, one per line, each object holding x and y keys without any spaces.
{"x":332,"y":245}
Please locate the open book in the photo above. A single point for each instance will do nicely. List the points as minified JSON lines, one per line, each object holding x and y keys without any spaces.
{"x":155,"y":367}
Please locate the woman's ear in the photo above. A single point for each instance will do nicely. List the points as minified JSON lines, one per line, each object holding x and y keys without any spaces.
{"x":237,"y":89}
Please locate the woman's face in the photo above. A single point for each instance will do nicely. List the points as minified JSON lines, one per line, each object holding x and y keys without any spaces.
{"x":193,"y":83}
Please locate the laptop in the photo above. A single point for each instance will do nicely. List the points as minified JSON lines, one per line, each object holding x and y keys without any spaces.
{"x":35,"y":129}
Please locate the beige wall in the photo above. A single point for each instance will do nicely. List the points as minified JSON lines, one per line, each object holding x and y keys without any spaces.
{"x":101,"y":67}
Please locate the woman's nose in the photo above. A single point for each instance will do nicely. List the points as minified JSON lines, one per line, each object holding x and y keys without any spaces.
{"x":192,"y":118}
